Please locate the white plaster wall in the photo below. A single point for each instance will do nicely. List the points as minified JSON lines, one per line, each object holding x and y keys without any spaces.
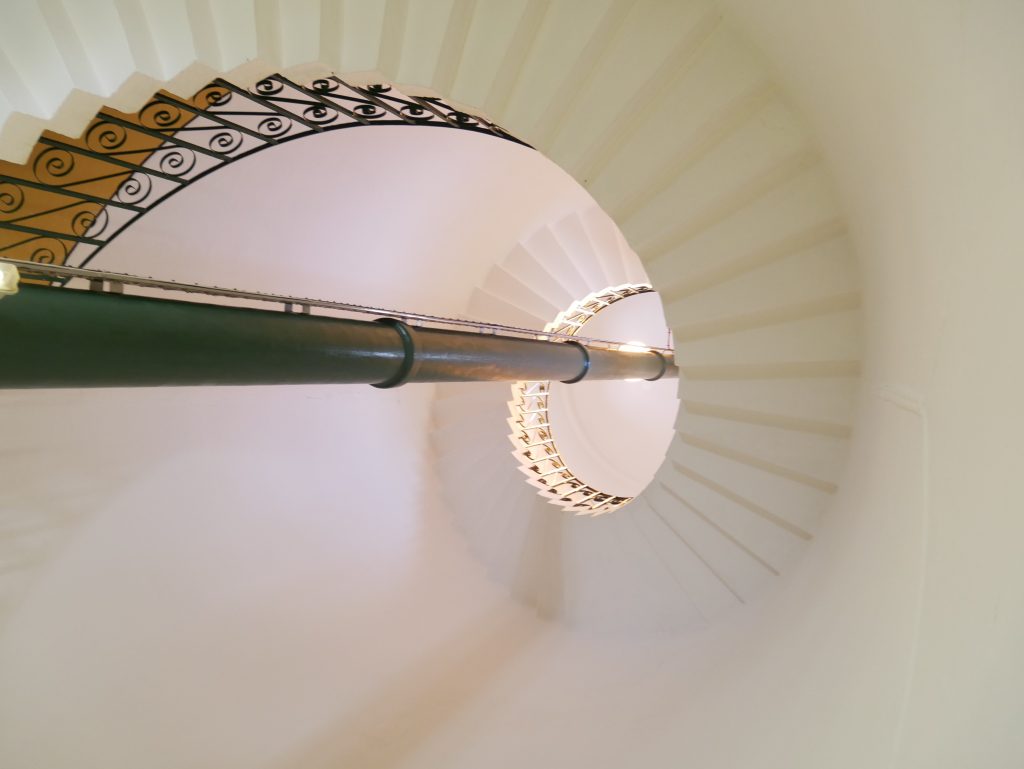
{"x":918,"y":108}
{"x":895,"y":643}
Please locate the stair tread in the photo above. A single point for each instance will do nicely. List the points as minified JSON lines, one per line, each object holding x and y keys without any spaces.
{"x":832,"y":336}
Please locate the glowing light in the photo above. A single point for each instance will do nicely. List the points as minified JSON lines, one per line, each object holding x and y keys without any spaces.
{"x":9,"y":278}
{"x":634,"y":347}
{"x":531,"y":423}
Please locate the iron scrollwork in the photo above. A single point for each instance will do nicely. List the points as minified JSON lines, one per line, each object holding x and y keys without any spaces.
{"x":75,"y":196}
{"x":535,"y":448}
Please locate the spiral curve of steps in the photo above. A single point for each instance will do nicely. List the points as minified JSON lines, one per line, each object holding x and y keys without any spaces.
{"x":742,"y":488}
{"x":663,"y":113}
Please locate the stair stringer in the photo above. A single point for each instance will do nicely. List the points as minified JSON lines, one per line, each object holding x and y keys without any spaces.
{"x":664,"y":114}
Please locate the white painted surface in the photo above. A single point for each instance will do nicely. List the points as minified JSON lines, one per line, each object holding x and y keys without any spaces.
{"x":895,"y":640}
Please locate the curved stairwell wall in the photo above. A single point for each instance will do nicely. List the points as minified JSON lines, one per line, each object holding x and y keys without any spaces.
{"x":767,"y":387}
{"x":893,"y":640}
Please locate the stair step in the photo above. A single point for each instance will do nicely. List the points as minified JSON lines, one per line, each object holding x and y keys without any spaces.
{"x":819,"y":369}
{"x":802,"y":279}
{"x":575,"y":242}
{"x":487,"y":41}
{"x":521,"y":264}
{"x":392,"y":40}
{"x":657,"y":593}
{"x":738,"y":573}
{"x":756,"y":461}
{"x":753,"y":536}
{"x":92,"y":43}
{"x":510,"y":289}
{"x":635,"y":272}
{"x":758,"y":158}
{"x":723,"y":90}
{"x":603,"y":232}
{"x":546,"y":249}
{"x":285,"y":38}
{"x":582,"y":73}
{"x":823,"y":400}
{"x":744,"y":571}
{"x":788,"y":220}
{"x":412,"y":57}
{"x":235,"y":33}
{"x":559,"y":45}
{"x":809,"y":454}
{"x":509,"y":73}
{"x":362,"y":25}
{"x":453,"y":46}
{"x":799,"y":424}
{"x":829,"y":336}
{"x":488,"y":308}
{"x":638,"y":76}
{"x":159,"y":37}
{"x":34,"y":75}
{"x":685,"y":333}
{"x":704,"y":590}
{"x":792,"y":508}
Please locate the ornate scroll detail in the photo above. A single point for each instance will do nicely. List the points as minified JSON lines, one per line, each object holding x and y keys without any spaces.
{"x":74,"y":196}
{"x":535,"y":448}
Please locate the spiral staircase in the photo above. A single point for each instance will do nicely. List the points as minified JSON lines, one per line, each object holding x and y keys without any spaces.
{"x":796,"y":584}
{"x":760,"y":438}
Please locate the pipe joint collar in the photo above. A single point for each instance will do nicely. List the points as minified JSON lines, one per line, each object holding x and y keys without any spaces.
{"x":401,"y":376}
{"x":664,"y":367}
{"x":586,"y":364}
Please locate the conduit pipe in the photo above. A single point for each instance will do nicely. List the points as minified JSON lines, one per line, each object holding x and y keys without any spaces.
{"x":61,"y":337}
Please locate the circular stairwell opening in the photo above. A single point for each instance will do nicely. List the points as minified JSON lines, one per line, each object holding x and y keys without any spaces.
{"x":591,"y":446}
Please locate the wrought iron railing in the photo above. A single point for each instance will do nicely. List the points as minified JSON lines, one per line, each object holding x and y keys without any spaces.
{"x":77,"y":195}
{"x":532,"y":438}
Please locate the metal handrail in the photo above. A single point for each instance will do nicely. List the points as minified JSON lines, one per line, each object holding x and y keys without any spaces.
{"x":124,"y":279}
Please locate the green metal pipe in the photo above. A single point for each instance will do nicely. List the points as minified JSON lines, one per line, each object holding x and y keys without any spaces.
{"x":72,"y":338}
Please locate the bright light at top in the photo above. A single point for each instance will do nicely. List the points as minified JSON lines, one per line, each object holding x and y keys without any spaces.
{"x":634,"y":347}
